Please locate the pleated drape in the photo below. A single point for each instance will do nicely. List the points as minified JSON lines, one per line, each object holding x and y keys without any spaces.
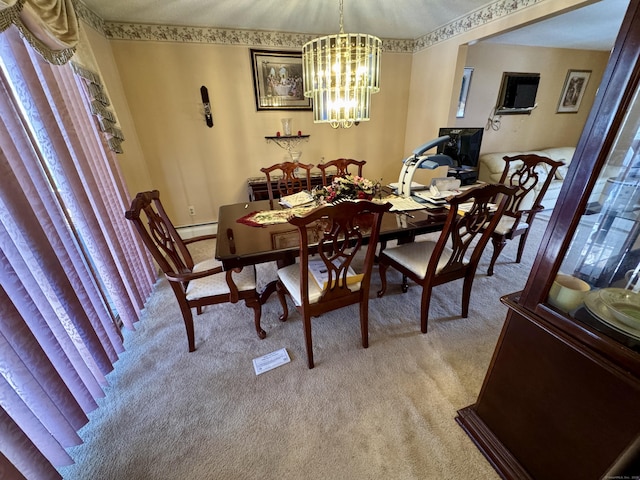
{"x":50,"y":26}
{"x":67,"y":256}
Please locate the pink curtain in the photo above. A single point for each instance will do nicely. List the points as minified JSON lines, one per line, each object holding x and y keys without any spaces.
{"x":66,"y":252}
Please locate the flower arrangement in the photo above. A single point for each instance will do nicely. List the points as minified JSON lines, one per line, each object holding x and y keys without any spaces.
{"x":349,"y":187}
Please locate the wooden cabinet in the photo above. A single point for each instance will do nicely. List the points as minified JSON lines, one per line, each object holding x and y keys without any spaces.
{"x":561,"y":397}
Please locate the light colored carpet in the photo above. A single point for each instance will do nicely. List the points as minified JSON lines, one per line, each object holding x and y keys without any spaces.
{"x":386,"y":412}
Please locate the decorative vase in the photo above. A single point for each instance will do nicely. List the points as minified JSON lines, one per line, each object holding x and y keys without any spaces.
{"x":295,"y":156}
{"x":286,"y":126}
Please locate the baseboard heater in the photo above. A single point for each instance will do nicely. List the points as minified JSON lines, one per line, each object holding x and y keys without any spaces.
{"x":190,"y":231}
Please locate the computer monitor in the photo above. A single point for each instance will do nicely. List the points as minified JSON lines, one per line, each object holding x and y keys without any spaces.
{"x":463,"y":146}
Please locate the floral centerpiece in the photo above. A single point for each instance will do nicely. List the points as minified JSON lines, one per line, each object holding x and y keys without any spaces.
{"x":349,"y":187}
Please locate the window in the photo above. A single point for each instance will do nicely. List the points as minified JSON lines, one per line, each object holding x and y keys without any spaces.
{"x":517,"y":93}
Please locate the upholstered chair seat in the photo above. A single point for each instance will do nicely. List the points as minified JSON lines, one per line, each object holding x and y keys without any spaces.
{"x":290,"y":278}
{"x":505,"y":225}
{"x":346,"y":231}
{"x":217,"y":284}
{"x":531,"y":175}
{"x":456,"y":253}
{"x":195,"y":285}
{"x":413,"y":255}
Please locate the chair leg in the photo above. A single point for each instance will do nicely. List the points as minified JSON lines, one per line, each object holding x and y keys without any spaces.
{"x":405,"y":284}
{"x":424,"y":308}
{"x":499,"y":243}
{"x":382,"y":270}
{"x":187,"y":316}
{"x":307,"y":339}
{"x":523,"y":240}
{"x":466,"y":293}
{"x":283,"y":301}
{"x":254,"y":303}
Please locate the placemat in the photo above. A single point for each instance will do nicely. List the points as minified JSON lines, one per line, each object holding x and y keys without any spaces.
{"x":262,"y":218}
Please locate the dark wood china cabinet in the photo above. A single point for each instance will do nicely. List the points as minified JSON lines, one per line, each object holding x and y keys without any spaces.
{"x":561,"y":397}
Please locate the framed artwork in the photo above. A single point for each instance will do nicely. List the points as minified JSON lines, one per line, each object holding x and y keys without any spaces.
{"x":464,"y":91}
{"x":574,"y":86}
{"x":277,"y":80}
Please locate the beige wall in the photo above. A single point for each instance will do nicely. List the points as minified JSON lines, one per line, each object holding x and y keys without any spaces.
{"x":436,"y":77}
{"x":543,"y":127}
{"x":192,"y":164}
{"x":155,"y":89}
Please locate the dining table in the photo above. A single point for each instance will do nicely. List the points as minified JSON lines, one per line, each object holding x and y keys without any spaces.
{"x":242,"y":241}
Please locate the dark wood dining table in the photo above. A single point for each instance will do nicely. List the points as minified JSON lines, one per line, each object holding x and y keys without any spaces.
{"x":239,"y":244}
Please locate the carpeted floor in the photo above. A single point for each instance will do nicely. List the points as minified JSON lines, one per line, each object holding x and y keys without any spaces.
{"x":386,"y":412}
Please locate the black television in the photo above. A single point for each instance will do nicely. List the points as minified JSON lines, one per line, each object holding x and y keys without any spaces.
{"x":463,"y":146}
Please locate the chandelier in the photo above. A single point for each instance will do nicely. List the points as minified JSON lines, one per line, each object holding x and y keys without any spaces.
{"x":340,"y":73}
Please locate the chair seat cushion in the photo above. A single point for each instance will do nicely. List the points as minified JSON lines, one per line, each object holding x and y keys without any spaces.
{"x":290,"y":278}
{"x":506,"y":224}
{"x":217,"y":284}
{"x":415,"y":256}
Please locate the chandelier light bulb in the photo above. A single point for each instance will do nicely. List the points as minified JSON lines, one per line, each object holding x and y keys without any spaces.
{"x":341,"y":72}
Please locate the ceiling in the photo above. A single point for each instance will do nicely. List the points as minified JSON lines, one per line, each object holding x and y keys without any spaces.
{"x":592,"y":27}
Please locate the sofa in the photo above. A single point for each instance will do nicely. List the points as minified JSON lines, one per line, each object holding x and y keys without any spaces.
{"x":491,"y":165}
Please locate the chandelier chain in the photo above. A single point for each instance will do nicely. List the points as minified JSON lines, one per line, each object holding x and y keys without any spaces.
{"x":341,"y":16}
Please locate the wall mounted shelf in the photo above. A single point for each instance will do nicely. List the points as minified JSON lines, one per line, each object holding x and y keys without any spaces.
{"x":287,"y":142}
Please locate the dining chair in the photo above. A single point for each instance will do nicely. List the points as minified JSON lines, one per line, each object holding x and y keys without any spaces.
{"x":342,"y":168}
{"x":332,"y":274}
{"x":194,"y":285}
{"x":531,"y":175}
{"x":288,"y":181}
{"x":470,"y":221}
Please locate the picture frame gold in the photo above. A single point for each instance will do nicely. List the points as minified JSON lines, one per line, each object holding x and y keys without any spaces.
{"x":278,"y":81}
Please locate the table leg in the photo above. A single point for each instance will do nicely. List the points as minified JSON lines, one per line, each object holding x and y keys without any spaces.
{"x":271,"y":286}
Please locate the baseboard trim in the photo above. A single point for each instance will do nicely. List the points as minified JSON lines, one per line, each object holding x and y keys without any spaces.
{"x":190,"y":231}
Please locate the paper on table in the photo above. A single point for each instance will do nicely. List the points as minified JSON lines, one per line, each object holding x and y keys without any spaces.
{"x":403,"y":203}
{"x":414,"y":186}
{"x":270,"y":361}
{"x":427,"y":196}
{"x":465,"y":207}
{"x":296,"y":199}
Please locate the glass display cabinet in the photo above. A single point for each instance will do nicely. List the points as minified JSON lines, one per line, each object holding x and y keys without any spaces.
{"x":561,"y":397}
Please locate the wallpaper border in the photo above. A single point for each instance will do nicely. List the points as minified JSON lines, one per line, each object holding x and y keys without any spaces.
{"x":186,"y":34}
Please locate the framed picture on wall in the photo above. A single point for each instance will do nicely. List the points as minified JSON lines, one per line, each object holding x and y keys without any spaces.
{"x":277,"y":80}
{"x":464,"y":91}
{"x":574,"y":86}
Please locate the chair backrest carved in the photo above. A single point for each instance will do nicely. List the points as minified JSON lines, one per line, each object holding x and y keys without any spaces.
{"x":342,"y":168}
{"x":466,"y":232}
{"x":159,"y":235}
{"x":288,"y":180}
{"x":529,"y":172}
{"x":341,"y":229}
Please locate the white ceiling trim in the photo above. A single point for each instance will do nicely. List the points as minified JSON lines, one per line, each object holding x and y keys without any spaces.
{"x":171,"y":33}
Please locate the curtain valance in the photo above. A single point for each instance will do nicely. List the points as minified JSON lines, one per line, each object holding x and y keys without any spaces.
{"x":50,"y":26}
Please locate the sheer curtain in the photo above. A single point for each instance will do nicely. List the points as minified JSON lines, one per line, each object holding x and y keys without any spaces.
{"x":69,"y":259}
